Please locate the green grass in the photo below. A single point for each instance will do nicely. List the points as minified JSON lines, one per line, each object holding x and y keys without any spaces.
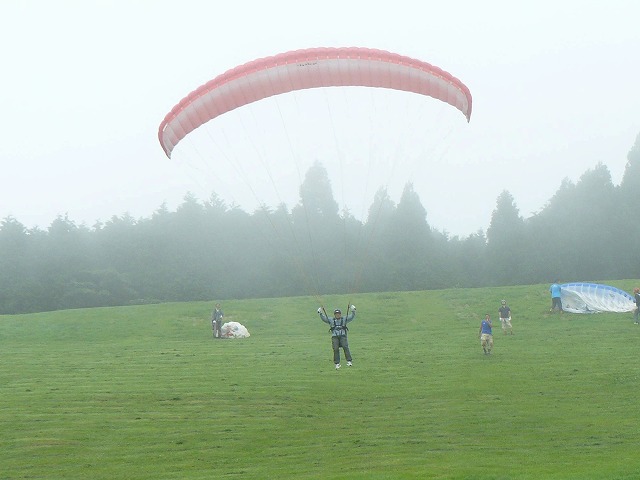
{"x":145,"y":393}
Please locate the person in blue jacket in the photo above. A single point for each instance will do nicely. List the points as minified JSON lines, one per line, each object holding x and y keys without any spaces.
{"x":485,"y":334}
{"x":338,"y":328}
{"x":556,"y":301}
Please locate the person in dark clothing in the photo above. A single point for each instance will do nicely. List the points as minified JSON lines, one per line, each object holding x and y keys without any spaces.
{"x":216,"y":321}
{"x":338,"y":328}
{"x":636,"y":314}
{"x":505,"y":317}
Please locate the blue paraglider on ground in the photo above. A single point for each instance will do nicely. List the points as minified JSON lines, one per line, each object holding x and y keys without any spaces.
{"x":595,"y":298}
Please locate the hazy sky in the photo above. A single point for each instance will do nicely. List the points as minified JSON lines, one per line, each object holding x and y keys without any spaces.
{"x":85,"y":85}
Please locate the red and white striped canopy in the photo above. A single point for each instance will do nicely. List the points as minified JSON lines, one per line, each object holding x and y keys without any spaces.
{"x":309,"y":68}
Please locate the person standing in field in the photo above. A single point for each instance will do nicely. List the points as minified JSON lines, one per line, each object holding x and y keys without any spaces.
{"x":556,"y":301}
{"x":338,"y":328}
{"x":485,"y":334}
{"x":505,"y":317}
{"x":636,"y":314}
{"x":216,"y":321}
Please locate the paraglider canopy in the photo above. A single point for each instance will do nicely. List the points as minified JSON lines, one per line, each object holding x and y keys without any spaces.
{"x":234,"y":330}
{"x":305,"y":69}
{"x":338,"y":114}
{"x":595,"y":298}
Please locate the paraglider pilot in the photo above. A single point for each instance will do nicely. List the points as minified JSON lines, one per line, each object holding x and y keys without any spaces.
{"x":636,"y":296}
{"x":338,"y":329}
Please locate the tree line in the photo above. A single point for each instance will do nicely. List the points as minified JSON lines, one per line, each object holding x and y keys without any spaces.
{"x":204,"y":250}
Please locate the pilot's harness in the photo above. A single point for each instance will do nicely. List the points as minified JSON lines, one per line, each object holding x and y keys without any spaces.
{"x":337,"y":327}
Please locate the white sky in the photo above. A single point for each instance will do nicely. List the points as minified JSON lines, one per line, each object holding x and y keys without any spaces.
{"x":85,"y":85}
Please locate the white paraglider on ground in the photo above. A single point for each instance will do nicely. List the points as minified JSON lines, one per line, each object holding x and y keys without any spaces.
{"x":234,"y":330}
{"x":595,"y":298}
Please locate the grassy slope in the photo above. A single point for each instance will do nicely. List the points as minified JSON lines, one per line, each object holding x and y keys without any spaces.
{"x":144,"y":392}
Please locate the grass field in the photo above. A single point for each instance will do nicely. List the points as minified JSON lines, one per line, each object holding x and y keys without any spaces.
{"x":144,"y":392}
